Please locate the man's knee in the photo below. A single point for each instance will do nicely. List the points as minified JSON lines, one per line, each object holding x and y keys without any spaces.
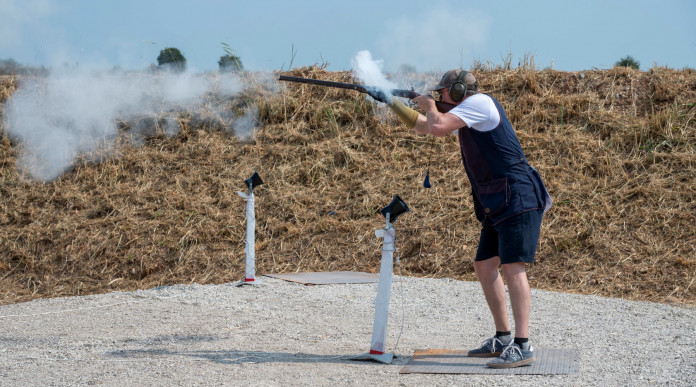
{"x":487,"y":264}
{"x":514,"y":270}
{"x":487,"y":268}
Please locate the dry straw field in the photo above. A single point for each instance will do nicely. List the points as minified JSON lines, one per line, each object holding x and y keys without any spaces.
{"x":617,"y":149}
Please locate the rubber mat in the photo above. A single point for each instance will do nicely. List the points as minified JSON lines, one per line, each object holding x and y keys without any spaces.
{"x":444,"y":361}
{"x":329,"y":277}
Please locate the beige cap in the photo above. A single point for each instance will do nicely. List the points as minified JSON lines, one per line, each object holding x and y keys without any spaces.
{"x":452,"y":76}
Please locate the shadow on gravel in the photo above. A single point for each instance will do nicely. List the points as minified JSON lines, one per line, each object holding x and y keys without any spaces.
{"x":245,"y":357}
{"x":164,"y":339}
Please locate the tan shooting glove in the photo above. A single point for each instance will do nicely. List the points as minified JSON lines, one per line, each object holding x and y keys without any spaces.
{"x":407,"y":115}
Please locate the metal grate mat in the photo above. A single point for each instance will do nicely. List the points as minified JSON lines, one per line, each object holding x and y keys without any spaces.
{"x":444,"y":361}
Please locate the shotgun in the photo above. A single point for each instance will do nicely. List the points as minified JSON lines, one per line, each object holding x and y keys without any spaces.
{"x":442,"y":107}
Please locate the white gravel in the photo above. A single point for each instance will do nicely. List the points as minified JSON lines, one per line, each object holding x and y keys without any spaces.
{"x":283,"y":333}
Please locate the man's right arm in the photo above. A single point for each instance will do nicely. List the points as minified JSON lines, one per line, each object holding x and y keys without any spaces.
{"x":436,"y":123}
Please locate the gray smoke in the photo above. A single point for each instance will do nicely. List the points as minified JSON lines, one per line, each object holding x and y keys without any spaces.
{"x":414,"y":40}
{"x":369,"y":71}
{"x":71,"y":113}
{"x":245,"y":125}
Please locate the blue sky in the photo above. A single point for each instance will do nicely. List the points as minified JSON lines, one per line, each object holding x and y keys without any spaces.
{"x":272,"y":35}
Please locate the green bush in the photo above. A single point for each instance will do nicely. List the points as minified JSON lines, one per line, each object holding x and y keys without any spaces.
{"x":628,"y":61}
{"x":406,"y":69}
{"x":171,"y":59}
{"x":12,"y":67}
{"x":230,"y":63}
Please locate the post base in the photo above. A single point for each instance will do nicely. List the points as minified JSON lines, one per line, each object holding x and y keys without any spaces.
{"x":247,"y":282}
{"x":385,"y":358}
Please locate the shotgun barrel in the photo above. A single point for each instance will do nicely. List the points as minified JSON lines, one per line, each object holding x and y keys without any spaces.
{"x":410,"y":94}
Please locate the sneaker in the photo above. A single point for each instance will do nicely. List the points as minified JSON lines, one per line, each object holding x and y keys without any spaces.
{"x":492,"y":347}
{"x":514,"y":356}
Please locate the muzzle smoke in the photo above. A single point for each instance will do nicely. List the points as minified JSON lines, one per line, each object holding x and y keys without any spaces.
{"x":68,"y":114}
{"x":369,"y":71}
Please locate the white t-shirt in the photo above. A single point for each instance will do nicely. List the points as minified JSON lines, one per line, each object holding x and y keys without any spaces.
{"x":479,"y":112}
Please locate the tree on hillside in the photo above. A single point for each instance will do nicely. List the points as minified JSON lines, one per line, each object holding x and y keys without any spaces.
{"x":12,"y":67}
{"x":406,"y":68}
{"x":628,"y":61}
{"x":171,"y":59}
{"x":230,"y":63}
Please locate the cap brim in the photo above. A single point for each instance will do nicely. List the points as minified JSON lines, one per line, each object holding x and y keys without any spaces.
{"x":438,"y":87}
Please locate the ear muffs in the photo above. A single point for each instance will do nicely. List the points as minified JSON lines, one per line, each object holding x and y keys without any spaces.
{"x":458,"y":89}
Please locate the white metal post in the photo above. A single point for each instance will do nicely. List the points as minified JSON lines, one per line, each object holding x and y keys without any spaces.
{"x":379,"y":327}
{"x":250,"y":247}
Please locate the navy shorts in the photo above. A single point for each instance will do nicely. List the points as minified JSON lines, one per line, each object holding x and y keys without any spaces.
{"x":513,"y":240}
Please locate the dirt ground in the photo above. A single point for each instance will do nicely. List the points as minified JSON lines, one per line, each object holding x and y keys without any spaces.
{"x":282,"y":333}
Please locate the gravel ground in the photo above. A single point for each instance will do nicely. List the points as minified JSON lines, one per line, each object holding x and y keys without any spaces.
{"x":283,"y":333}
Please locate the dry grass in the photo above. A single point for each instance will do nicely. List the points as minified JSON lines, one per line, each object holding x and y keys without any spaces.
{"x":616,"y":147}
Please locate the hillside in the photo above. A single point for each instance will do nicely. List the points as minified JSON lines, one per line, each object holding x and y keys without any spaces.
{"x":617,"y":149}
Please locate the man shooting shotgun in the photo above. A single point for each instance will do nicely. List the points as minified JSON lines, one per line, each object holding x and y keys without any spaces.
{"x":508,"y":194}
{"x":509,"y":201}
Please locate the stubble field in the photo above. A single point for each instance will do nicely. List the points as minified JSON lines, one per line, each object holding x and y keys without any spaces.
{"x":616,"y":148}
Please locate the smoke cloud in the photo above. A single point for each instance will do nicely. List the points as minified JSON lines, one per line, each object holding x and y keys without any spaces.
{"x":436,"y":41}
{"x":369,"y":71}
{"x":244,"y":126}
{"x":72,"y":113}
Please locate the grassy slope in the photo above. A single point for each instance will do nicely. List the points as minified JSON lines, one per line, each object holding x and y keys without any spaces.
{"x":616,"y":147}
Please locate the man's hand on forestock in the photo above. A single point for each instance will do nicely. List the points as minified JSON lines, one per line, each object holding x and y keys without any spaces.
{"x":407,"y":115}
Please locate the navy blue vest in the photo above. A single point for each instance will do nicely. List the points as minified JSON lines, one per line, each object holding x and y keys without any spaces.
{"x":503,"y":184}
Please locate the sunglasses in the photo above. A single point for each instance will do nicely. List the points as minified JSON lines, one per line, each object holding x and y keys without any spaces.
{"x":437,"y":94}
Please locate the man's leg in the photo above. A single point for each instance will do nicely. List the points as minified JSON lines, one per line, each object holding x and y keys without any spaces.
{"x":494,"y":290}
{"x":518,"y":286}
{"x":520,"y":352}
{"x":518,"y":241}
